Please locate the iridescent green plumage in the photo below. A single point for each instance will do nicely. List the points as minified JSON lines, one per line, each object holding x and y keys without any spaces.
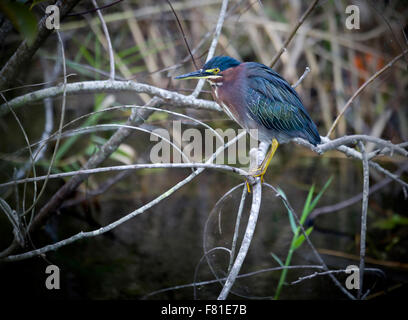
{"x":273,"y":103}
{"x":257,"y":97}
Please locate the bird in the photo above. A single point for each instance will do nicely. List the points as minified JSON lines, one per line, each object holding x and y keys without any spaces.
{"x":257,"y":97}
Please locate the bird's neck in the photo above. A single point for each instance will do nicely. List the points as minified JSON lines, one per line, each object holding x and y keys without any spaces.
{"x":215,"y":82}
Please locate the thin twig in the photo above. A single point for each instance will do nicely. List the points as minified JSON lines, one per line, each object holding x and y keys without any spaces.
{"x":206,"y":232}
{"x":18,"y":229}
{"x":94,"y":193}
{"x":138,"y":166}
{"x":93,"y":10}
{"x":184,"y":35}
{"x":25,"y":51}
{"x":237,"y":223}
{"x":49,"y":123}
{"x":213,"y":45}
{"x":253,"y":217}
{"x":109,"y":86}
{"x":103,"y":153}
{"x":246,"y":241}
{"x":315,"y":274}
{"x":348,"y":202}
{"x":366,"y":190}
{"x":307,"y":70}
{"x":353,"y":154}
{"x":123,"y":107}
{"x":111,"y":226}
{"x":353,"y":139}
{"x":108,"y":40}
{"x":205,"y":256}
{"x":293,"y":32}
{"x":364,"y":85}
{"x":244,"y":275}
{"x":45,"y":83}
{"x":315,"y":252}
{"x":61,"y":123}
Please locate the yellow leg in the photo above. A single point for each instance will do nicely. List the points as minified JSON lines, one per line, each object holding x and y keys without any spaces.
{"x":265,"y":162}
{"x":248,"y":187}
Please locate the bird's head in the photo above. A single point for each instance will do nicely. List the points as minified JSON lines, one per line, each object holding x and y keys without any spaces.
{"x":212,"y":69}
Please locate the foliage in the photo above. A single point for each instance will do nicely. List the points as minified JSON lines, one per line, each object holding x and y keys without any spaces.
{"x":298,"y":238}
{"x":23,"y":19}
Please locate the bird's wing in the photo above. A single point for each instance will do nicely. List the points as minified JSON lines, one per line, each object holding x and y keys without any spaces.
{"x":275,"y":104}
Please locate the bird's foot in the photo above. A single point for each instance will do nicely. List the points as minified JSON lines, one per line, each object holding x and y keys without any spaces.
{"x":260,"y":172}
{"x":248,"y":186}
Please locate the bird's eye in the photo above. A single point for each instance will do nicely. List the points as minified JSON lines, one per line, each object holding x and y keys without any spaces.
{"x":213,"y":71}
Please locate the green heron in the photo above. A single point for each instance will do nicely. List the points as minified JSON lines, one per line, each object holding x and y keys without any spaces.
{"x":256,"y":97}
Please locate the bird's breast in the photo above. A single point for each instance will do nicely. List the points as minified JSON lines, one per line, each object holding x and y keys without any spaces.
{"x":229,"y":94}
{"x":224,"y":106}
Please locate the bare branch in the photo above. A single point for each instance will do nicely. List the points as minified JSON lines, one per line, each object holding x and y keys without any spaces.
{"x":213,"y":45}
{"x":237,"y":223}
{"x":93,"y":10}
{"x":131,"y":167}
{"x":113,"y":225}
{"x":353,"y":139}
{"x":108,"y":40}
{"x":61,"y":123}
{"x":88,"y":129}
{"x":183,"y":34}
{"x":366,"y":190}
{"x":246,"y":241}
{"x":109,"y":86}
{"x":365,"y":84}
{"x":103,"y":153}
{"x":315,"y":252}
{"x":348,"y":202}
{"x":24,"y":52}
{"x":307,"y":70}
{"x":244,"y":275}
{"x":293,"y":32}
{"x":324,"y":273}
{"x":394,"y":177}
{"x":49,"y":123}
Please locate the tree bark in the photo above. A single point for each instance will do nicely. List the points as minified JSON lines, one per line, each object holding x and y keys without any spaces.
{"x":25,"y":52}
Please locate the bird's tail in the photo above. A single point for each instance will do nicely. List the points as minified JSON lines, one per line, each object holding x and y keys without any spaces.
{"x":312,"y":135}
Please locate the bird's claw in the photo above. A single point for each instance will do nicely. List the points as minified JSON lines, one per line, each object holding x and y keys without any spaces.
{"x":248,"y":187}
{"x":255,"y":174}
{"x":260,"y":172}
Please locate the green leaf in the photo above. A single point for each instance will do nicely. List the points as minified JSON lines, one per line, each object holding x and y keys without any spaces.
{"x":306,"y":207}
{"x":83,"y":42}
{"x":87,"y":55}
{"x":392,"y":222}
{"x":290,"y":213}
{"x":158,"y":116}
{"x":92,"y":120}
{"x":279,"y":261}
{"x":314,"y":203}
{"x":35,"y":2}
{"x":299,"y":240}
{"x":124,"y":53}
{"x":22,"y":19}
{"x":310,"y":205}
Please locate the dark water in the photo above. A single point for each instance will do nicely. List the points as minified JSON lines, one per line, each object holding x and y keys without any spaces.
{"x":162,"y":247}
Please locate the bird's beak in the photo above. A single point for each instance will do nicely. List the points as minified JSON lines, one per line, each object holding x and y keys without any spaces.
{"x":199,"y":74}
